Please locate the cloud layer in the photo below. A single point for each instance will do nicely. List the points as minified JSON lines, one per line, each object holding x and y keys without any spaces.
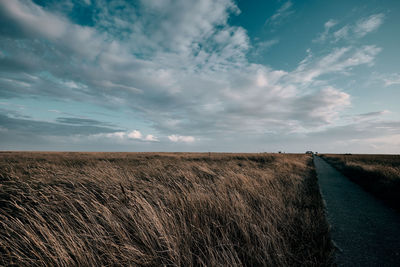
{"x":178,"y":65}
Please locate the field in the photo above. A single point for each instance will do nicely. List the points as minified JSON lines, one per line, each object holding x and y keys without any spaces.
{"x":178,"y":209}
{"x":378,"y":174}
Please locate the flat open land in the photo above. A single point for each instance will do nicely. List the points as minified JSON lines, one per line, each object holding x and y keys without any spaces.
{"x":179,"y":209}
{"x":377,"y":174}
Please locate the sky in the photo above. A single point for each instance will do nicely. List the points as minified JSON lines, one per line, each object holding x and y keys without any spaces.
{"x":200,"y":75}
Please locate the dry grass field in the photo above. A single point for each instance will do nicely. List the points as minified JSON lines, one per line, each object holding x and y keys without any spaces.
{"x":148,"y":209}
{"x":378,"y":174}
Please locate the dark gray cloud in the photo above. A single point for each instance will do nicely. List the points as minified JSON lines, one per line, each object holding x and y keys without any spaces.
{"x":83,"y":122}
{"x":28,"y":127}
{"x":373,"y":114}
{"x":13,"y":114}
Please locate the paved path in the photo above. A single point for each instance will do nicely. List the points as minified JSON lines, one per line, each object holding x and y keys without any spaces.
{"x":366,"y":232}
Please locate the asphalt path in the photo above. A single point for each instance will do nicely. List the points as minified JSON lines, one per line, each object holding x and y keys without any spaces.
{"x":364,"y":230}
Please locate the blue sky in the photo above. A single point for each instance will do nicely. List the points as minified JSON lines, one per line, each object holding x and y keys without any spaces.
{"x":200,"y":75}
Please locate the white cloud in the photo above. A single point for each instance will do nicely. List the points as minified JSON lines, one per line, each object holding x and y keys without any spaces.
{"x":284,"y":11}
{"x":176,"y":24}
{"x":135,"y":134}
{"x":36,"y":21}
{"x":342,"y":33}
{"x":367,"y":25}
{"x":180,"y":138}
{"x":35,"y":18}
{"x":351,"y":31}
{"x":327,"y":27}
{"x":339,"y":60}
{"x":118,"y":135}
{"x":151,"y":137}
{"x":330,"y":23}
{"x":126,"y":136}
{"x":264,"y":46}
{"x":16,"y":82}
{"x":392,"y":79}
{"x":331,"y":102}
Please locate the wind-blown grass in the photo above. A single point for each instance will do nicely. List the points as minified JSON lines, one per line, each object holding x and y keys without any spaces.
{"x":93,"y":209}
{"x":378,"y":174}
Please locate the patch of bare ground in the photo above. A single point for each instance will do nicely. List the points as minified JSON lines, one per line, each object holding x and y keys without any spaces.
{"x":179,"y":209}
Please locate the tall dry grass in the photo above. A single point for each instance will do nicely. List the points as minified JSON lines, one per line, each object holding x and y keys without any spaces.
{"x":147,"y":209}
{"x":378,"y":174}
